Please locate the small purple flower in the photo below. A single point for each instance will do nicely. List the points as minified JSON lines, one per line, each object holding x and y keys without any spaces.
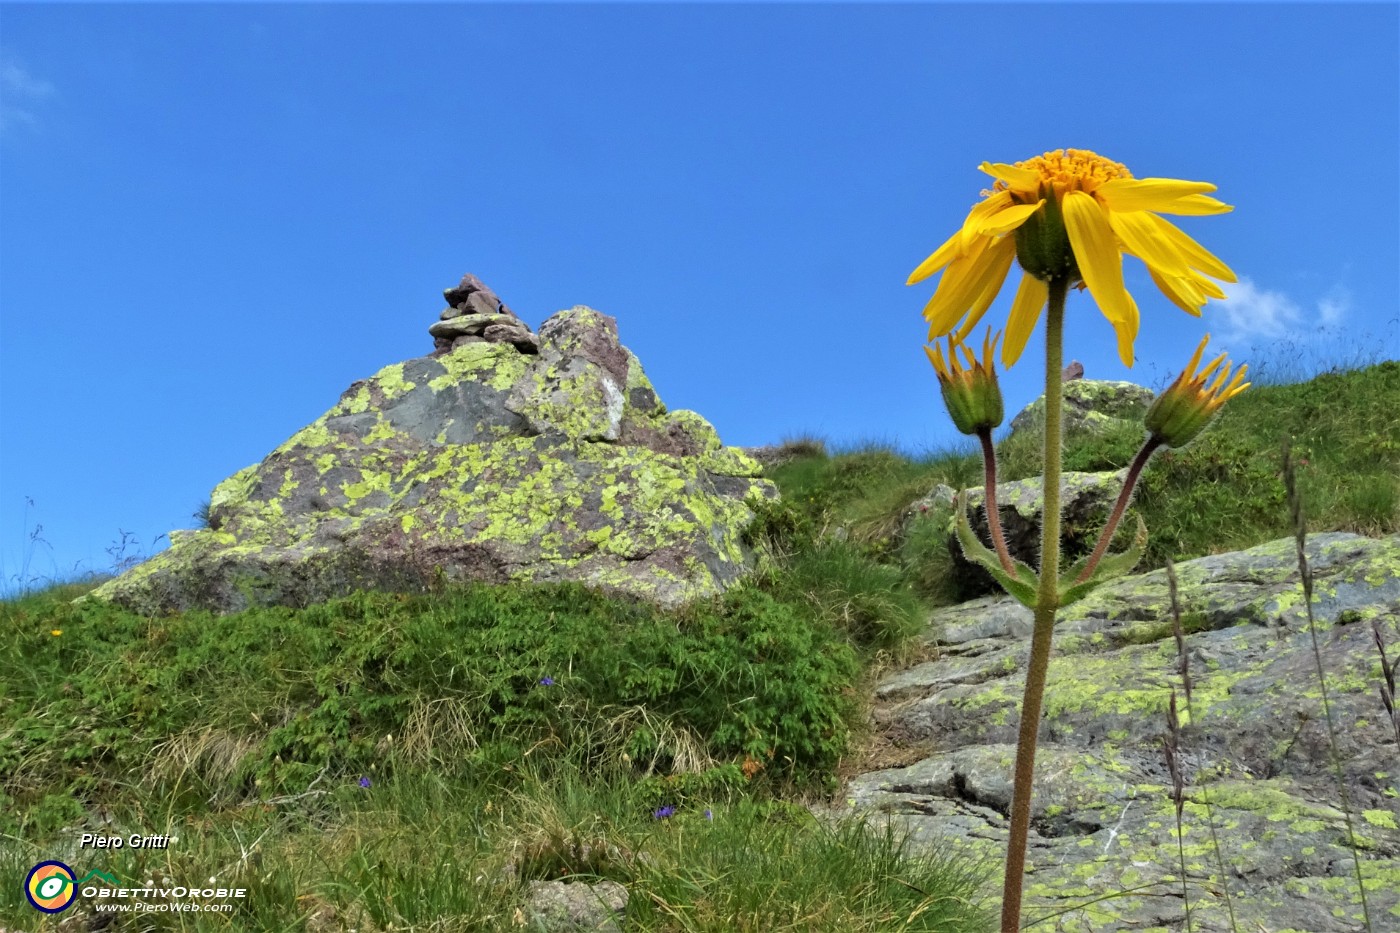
{"x":546,"y":681}
{"x":708,"y":814}
{"x":664,"y":812}
{"x":365,"y":782}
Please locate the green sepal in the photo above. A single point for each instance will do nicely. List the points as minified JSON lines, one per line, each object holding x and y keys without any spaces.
{"x":1112,"y":565}
{"x":1022,"y":586}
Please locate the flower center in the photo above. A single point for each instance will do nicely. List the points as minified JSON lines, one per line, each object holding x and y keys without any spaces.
{"x":1066,"y":170}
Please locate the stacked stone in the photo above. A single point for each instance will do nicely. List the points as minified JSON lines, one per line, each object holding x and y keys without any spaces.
{"x":475,"y":314}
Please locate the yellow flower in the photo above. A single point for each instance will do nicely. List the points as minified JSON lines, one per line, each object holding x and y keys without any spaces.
{"x":1071,"y":213}
{"x":971,"y":394}
{"x":56,"y":632}
{"x":1187,"y":405}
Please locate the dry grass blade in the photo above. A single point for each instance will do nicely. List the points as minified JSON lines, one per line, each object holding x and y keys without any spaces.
{"x":1184,"y":668}
{"x":1300,"y":535}
{"x":1387,"y":688}
{"x":1171,"y":748}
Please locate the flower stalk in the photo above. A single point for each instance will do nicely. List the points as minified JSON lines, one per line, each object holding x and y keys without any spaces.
{"x":989,"y":473}
{"x":1047,"y":601}
{"x":1067,"y":218}
{"x":1120,"y":506}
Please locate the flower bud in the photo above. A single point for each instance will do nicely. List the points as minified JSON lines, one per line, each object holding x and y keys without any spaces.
{"x":971,"y":394}
{"x":1184,"y":409}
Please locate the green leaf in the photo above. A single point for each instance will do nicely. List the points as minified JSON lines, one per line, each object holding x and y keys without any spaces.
{"x":1022,"y":586}
{"x":1111,"y":566}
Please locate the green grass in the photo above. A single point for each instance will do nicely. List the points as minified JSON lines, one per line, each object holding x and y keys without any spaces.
{"x":518,"y":733}
{"x":1222,"y":492}
{"x":531,"y":733}
{"x":418,"y":851}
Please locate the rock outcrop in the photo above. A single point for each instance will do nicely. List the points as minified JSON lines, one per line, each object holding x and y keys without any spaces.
{"x":1085,"y":502}
{"x":504,"y":455}
{"x":1090,"y":405}
{"x":1254,"y":744}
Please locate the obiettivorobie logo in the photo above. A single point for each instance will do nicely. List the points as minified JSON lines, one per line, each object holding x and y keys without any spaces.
{"x":52,"y":887}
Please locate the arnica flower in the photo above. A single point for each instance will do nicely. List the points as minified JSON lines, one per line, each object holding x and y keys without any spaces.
{"x":1184,"y":409}
{"x":971,"y":393}
{"x":1071,"y":214}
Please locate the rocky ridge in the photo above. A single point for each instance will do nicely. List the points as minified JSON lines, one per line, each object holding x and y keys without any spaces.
{"x":505,"y":454}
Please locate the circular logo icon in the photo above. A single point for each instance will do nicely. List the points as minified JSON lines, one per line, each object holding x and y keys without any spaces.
{"x":50,"y":887}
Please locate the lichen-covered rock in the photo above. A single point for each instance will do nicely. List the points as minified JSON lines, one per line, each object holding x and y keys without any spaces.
{"x":1085,"y":502}
{"x":1090,"y":405}
{"x":1254,"y":743}
{"x":482,"y":463}
{"x":568,"y":906}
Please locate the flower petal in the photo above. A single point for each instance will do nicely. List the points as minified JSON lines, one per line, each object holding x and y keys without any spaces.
{"x":1207,"y":287}
{"x":1096,"y":252}
{"x":1171,"y":286}
{"x":1194,"y":204}
{"x":1007,"y":219}
{"x":980,"y":212}
{"x":1127,"y":333}
{"x":1147,"y":194}
{"x":935,"y":356}
{"x":1190,"y":369}
{"x":1025,"y":311}
{"x":937,"y":260}
{"x":1139,"y":236}
{"x":1196,"y":254}
{"x":1020,"y":179}
{"x":966,"y":281}
{"x":984,"y":300}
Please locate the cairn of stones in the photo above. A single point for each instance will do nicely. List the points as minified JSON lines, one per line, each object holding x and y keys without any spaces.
{"x":475,"y":314}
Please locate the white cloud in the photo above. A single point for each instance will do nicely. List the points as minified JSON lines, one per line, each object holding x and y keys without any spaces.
{"x":19,"y":92}
{"x":1255,"y":313}
{"x":1334,"y":305}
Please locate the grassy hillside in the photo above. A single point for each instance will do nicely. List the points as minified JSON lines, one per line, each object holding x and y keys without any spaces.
{"x":410,"y":761}
{"x":1223,"y":492}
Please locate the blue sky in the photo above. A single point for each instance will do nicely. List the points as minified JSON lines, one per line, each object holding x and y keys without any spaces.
{"x":214,"y":218}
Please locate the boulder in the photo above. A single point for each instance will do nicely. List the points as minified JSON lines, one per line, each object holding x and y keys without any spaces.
{"x":472,"y":296}
{"x":560,"y":906}
{"x":484,"y":462}
{"x":1091,"y":405}
{"x":1085,"y":502}
{"x":1253,"y":743}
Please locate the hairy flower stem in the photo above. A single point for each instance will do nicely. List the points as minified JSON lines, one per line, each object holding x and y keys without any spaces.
{"x":1047,"y":601}
{"x":1121,"y":506}
{"x":989,"y":469}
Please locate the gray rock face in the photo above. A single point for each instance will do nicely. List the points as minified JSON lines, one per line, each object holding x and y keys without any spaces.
{"x":1253,"y":744}
{"x":1090,"y":405}
{"x":547,"y":459}
{"x":564,"y":907}
{"x":1085,"y":502}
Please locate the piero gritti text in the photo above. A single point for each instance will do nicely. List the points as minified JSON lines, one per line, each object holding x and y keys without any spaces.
{"x":134,"y":841}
